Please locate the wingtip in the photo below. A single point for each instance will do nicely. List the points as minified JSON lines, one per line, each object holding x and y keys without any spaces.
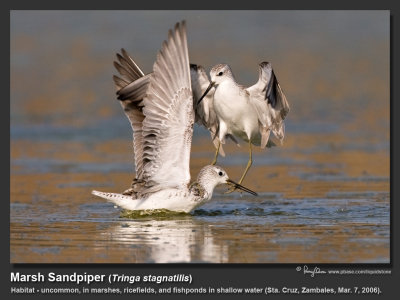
{"x":121,"y":98}
{"x":116,"y":64}
{"x":265,"y":64}
{"x":182,"y":24}
{"x":119,"y":57}
{"x":124,"y":52}
{"x":180,"y":28}
{"x":197,"y":68}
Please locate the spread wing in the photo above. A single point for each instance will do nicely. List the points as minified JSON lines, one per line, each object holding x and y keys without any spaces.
{"x":270,"y":103}
{"x":169,"y":116}
{"x":132,"y":76}
{"x":204,"y":112}
{"x":135,"y":90}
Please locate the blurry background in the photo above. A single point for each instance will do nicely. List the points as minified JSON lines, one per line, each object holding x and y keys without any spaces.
{"x":69,"y":136}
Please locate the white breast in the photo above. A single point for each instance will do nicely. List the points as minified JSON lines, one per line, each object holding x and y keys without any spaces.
{"x":232,"y":106}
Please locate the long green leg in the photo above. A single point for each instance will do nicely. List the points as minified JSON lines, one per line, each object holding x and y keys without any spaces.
{"x":216,"y":154}
{"x":249,"y":163}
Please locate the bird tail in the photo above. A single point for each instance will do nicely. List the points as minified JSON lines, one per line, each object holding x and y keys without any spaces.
{"x":123,"y":201}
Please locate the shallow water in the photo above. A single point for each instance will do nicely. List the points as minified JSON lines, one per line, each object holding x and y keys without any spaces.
{"x":324,"y":195}
{"x":314,"y":212}
{"x":269,"y":229}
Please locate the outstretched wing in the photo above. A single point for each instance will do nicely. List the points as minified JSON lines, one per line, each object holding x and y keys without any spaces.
{"x":270,"y":103}
{"x":132,"y":76}
{"x":204,"y":112}
{"x":169,"y":116}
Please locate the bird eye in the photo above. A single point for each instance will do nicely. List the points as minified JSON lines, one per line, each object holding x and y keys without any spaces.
{"x":220,"y":73}
{"x":220,"y":173}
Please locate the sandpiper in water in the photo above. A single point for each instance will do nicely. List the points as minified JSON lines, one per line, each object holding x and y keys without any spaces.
{"x":163,"y":126}
{"x":248,"y":113}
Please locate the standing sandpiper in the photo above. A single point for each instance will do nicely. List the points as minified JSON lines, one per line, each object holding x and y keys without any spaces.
{"x":248,"y":113}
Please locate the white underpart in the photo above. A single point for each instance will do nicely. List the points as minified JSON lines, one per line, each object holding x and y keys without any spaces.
{"x":249,"y":113}
{"x":236,"y":114}
{"x":171,"y":199}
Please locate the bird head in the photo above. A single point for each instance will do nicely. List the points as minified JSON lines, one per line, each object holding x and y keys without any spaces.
{"x":218,"y":74}
{"x":211,"y":176}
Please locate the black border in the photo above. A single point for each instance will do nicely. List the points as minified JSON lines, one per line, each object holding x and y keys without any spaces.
{"x":238,"y":275}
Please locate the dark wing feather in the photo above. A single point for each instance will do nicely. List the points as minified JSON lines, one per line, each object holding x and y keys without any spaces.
{"x":132,"y":75}
{"x":270,"y":103}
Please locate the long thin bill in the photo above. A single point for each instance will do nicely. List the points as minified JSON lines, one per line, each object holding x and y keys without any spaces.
{"x":241,"y":187}
{"x":206,"y":92}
